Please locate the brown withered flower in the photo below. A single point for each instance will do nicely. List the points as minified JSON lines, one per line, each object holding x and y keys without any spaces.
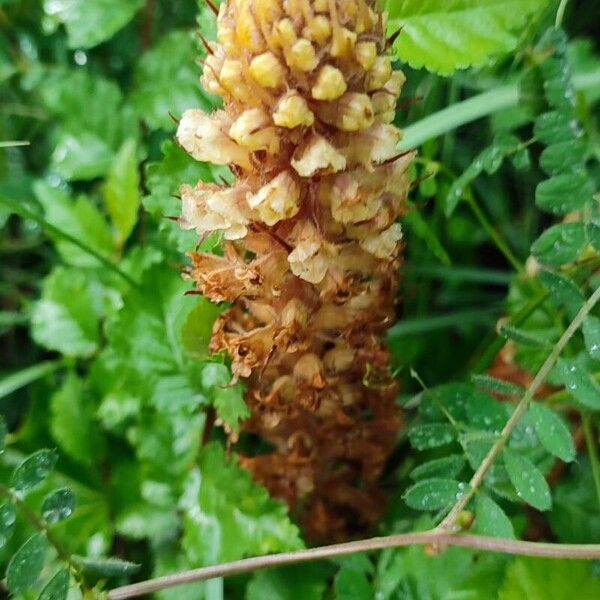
{"x":311,"y":250}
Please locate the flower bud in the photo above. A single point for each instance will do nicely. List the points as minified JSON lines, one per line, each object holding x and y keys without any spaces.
{"x":253,"y":130}
{"x":278,"y":200}
{"x":316,"y":154}
{"x":293,"y":111}
{"x":302,"y":56}
{"x":330,"y":84}
{"x":380,"y":74}
{"x":366,"y":54}
{"x":267,"y":71}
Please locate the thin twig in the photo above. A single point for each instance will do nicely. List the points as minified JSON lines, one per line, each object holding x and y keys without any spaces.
{"x":488,"y":544}
{"x":449,"y":522}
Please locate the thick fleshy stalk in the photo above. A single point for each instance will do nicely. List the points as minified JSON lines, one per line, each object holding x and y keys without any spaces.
{"x":311,"y":250}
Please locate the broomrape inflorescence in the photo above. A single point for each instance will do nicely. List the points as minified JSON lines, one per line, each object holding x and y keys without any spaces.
{"x":311,"y":246}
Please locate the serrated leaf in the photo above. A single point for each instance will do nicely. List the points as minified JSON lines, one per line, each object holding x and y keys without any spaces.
{"x":8,"y":519}
{"x":443,"y":37}
{"x":79,"y":218}
{"x":556,"y":127}
{"x":560,"y":244}
{"x":86,"y":140}
{"x":227,"y":515}
{"x":490,"y":519}
{"x":564,"y":193}
{"x":64,"y":318}
{"x":352,"y":584}
{"x":543,"y":578}
{"x":591,"y":333}
{"x":34,"y":469}
{"x":431,"y":435}
{"x":121,"y":190}
{"x":91,"y":23}
{"x":72,"y":422}
{"x":447,"y":467}
{"x":563,"y":156}
{"x":296,"y":582}
{"x":552,"y":432}
{"x":497,"y":386}
{"x":106,"y":567}
{"x":576,"y":378}
{"x":58,"y":505}
{"x":563,"y":291}
{"x":530,"y":484}
{"x":26,"y":564}
{"x":166,"y":81}
{"x":58,"y":587}
{"x":522,"y":337}
{"x":434,"y":494}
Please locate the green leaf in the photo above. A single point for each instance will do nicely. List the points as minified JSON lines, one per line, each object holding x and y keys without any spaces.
{"x":443,"y":37}
{"x":8,"y":519}
{"x":34,"y":469}
{"x":563,"y":156}
{"x":352,"y":584}
{"x":434,"y":494}
{"x":58,"y":587}
{"x":563,"y":291}
{"x":58,"y":505}
{"x":228,"y":515}
{"x":484,"y":413}
{"x":564,"y":193}
{"x":591,"y":332}
{"x":552,"y":432}
{"x":86,"y":140}
{"x":64,"y":318}
{"x":121,"y":190}
{"x":575,"y":518}
{"x":447,"y":467}
{"x":490,"y":519}
{"x":166,"y":81}
{"x":91,"y":23}
{"x":432,"y":435}
{"x":106,"y":567}
{"x":574,"y":375}
{"x":81,"y":219}
{"x":163,"y":180}
{"x":592,"y":232}
{"x":421,"y":228}
{"x":555,"y":127}
{"x":560,"y":244}
{"x":543,"y":578}
{"x":297,"y":582}
{"x":197,"y":329}
{"x":19,"y":379}
{"x":529,"y":482}
{"x":522,"y":337}
{"x":73,"y":424}
{"x":497,"y":386}
{"x":26,"y":565}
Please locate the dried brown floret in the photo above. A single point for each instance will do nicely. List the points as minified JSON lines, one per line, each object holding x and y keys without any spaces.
{"x":312,"y":258}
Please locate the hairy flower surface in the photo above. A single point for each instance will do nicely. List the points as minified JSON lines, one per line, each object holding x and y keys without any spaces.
{"x":312,"y":243}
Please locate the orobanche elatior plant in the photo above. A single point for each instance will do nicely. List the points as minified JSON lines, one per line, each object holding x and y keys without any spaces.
{"x":310,"y":262}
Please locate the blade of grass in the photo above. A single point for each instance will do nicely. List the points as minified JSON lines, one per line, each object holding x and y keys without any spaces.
{"x":17,"y":380}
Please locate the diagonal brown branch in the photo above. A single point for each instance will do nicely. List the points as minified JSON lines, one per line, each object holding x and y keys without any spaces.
{"x":449,"y":522}
{"x":572,"y":551}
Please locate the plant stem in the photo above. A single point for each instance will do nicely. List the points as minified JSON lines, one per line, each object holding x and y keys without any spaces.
{"x":493,"y":233}
{"x":560,"y":13}
{"x":592,"y":448}
{"x":450,"y":521}
{"x":24,"y":212}
{"x":13,"y":143}
{"x":42,"y":526}
{"x":571,"y":551}
{"x":477,"y":107}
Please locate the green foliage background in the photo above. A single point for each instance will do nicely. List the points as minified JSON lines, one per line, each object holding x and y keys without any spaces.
{"x":104,"y":357}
